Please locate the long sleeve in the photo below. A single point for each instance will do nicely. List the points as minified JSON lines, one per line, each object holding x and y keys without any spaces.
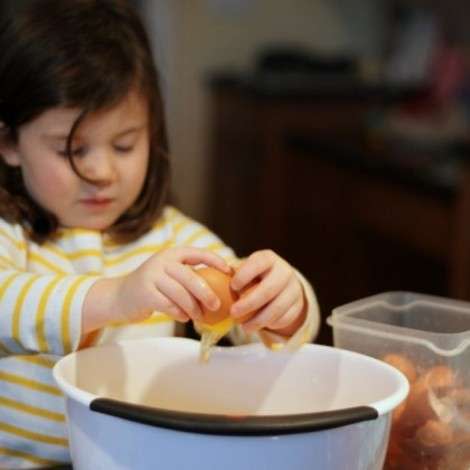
{"x":38,"y":312}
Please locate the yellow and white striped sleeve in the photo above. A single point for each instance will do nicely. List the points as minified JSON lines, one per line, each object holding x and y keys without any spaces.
{"x":38,"y":312}
{"x":188,"y":232}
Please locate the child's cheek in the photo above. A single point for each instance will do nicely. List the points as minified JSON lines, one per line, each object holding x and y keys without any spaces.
{"x":52,"y":184}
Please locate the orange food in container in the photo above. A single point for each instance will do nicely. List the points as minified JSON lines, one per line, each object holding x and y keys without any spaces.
{"x":427,"y":338}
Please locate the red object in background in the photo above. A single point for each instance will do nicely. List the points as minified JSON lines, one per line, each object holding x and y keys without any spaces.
{"x":446,"y":78}
{"x":449,"y":72}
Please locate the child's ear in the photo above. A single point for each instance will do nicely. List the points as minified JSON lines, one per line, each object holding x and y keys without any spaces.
{"x":8,"y":148}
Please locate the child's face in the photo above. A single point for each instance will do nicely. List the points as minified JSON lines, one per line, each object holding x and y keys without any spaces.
{"x":110,"y":147}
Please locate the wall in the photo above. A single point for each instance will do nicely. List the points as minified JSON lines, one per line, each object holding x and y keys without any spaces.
{"x":192,"y":37}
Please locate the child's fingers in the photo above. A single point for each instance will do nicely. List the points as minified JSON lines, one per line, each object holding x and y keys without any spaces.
{"x":275,"y":310}
{"x":177,"y":294}
{"x":195,"y":285}
{"x":288,"y":318}
{"x":165,"y":305}
{"x":193,"y":256}
{"x":255,"y":265}
{"x":268,"y":289}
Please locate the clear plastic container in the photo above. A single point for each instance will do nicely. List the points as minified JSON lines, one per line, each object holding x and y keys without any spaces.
{"x":428,"y":339}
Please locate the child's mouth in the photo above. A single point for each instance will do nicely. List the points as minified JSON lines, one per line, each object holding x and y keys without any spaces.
{"x":96,"y":202}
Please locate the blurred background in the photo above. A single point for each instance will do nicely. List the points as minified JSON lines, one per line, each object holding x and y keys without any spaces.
{"x":333,"y":131}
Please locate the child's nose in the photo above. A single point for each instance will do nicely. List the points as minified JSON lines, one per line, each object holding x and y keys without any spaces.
{"x":100,"y":168}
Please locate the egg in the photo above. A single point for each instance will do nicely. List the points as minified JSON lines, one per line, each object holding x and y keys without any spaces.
{"x":215,"y":324}
{"x":419,"y":438}
{"x":403,"y":364}
{"x":219,"y":282}
{"x":434,"y":433}
{"x":458,"y":459}
{"x":460,"y":397}
{"x":463,"y":436}
{"x":418,"y":410}
{"x":440,"y":377}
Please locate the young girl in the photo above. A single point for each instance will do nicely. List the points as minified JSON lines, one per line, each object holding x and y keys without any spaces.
{"x":89,"y":252}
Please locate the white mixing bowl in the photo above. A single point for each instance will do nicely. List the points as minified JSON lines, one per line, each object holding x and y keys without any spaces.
{"x":150,"y":404}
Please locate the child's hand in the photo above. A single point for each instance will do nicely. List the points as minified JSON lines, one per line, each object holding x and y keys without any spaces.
{"x":278,"y":298}
{"x":167,"y":283}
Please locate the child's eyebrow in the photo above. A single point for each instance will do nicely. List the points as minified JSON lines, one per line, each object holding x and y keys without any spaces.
{"x":130,"y":130}
{"x":64,"y":136}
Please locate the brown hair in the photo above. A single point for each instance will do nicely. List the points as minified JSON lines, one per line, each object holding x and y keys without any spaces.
{"x":85,"y":54}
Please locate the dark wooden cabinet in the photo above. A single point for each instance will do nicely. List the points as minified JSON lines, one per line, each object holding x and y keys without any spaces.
{"x":293,"y":172}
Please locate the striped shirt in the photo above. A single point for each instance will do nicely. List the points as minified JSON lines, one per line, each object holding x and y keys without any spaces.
{"x":42,"y":290}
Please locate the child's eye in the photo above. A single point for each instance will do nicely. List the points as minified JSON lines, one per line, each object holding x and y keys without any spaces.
{"x":123,"y":148}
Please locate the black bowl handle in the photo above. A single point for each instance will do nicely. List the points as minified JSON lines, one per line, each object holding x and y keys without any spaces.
{"x":239,"y":425}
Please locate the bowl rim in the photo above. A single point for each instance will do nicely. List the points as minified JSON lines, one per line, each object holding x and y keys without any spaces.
{"x":220,"y":424}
